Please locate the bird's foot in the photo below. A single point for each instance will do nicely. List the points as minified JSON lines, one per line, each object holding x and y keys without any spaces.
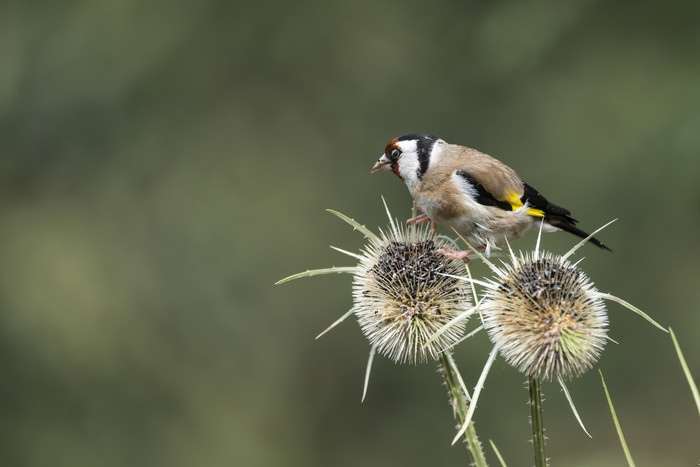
{"x":449,"y":252}
{"x":418,"y":219}
{"x":421,"y":219}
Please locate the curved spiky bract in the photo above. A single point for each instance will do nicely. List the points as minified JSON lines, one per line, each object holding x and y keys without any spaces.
{"x":403,"y":294}
{"x":546,"y":316}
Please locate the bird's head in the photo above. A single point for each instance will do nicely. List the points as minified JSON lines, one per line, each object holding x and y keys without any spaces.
{"x":408,"y":157}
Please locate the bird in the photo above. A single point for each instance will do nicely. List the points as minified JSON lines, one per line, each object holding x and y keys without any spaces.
{"x":481,"y":198}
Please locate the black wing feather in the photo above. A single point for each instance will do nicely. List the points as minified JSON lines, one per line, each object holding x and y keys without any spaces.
{"x":483,"y":196}
{"x":534,"y":199}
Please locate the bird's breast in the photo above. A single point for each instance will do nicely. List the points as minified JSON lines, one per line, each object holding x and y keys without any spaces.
{"x":447,"y":213}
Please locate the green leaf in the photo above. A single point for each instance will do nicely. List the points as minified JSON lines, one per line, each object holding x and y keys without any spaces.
{"x":317,"y":272}
{"x":632,"y":308}
{"x":630,"y":462}
{"x":365,"y":231}
{"x":689,"y":377}
{"x":498,"y":454}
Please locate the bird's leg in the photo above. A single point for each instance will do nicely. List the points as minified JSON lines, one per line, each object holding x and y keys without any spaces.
{"x":450,"y":252}
{"x":423,"y":218}
{"x":418,"y":219}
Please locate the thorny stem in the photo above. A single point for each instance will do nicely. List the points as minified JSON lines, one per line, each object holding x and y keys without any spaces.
{"x":538,"y":439}
{"x":459,"y":402}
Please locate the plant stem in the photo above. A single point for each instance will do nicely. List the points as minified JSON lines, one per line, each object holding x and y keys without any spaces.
{"x":536,"y":421}
{"x":458,"y":398}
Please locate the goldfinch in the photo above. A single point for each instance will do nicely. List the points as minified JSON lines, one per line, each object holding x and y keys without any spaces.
{"x":481,"y":198}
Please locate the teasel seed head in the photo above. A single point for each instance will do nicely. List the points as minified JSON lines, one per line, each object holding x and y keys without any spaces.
{"x":404,"y":291}
{"x":545,"y":316}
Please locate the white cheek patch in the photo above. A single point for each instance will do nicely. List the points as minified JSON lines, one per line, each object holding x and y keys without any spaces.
{"x":408,"y":163}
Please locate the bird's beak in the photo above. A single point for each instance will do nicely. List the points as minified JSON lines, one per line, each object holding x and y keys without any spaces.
{"x":382,"y":165}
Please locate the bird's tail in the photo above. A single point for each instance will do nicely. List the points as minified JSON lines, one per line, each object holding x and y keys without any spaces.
{"x":571,"y":228}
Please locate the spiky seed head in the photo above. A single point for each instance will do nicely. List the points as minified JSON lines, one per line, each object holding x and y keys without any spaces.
{"x":403,"y":293}
{"x":546,"y":316}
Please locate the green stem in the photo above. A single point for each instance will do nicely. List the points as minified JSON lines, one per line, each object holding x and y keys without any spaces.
{"x":461,"y":407}
{"x":536,"y":421}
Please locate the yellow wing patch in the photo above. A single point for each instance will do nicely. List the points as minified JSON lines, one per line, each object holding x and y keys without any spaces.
{"x":535,"y":212}
{"x":514,"y":200}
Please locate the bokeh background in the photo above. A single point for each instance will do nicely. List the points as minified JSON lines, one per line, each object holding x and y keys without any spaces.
{"x":163,"y":163}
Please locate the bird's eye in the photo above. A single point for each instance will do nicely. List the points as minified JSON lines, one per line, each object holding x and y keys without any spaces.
{"x":395,"y":153}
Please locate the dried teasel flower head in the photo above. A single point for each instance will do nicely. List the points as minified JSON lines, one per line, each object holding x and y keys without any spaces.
{"x":545,"y":316}
{"x":404,"y":291}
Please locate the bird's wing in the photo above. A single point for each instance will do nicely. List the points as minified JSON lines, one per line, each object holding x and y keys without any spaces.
{"x":551,"y":212}
{"x":483,"y":196}
{"x":497,"y":185}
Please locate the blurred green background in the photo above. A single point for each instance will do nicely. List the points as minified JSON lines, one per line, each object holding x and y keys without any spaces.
{"x":163,"y":163}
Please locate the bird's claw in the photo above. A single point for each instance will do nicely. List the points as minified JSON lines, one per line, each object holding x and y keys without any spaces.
{"x":449,"y":252}
{"x":418,"y":219}
{"x":421,"y":219}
